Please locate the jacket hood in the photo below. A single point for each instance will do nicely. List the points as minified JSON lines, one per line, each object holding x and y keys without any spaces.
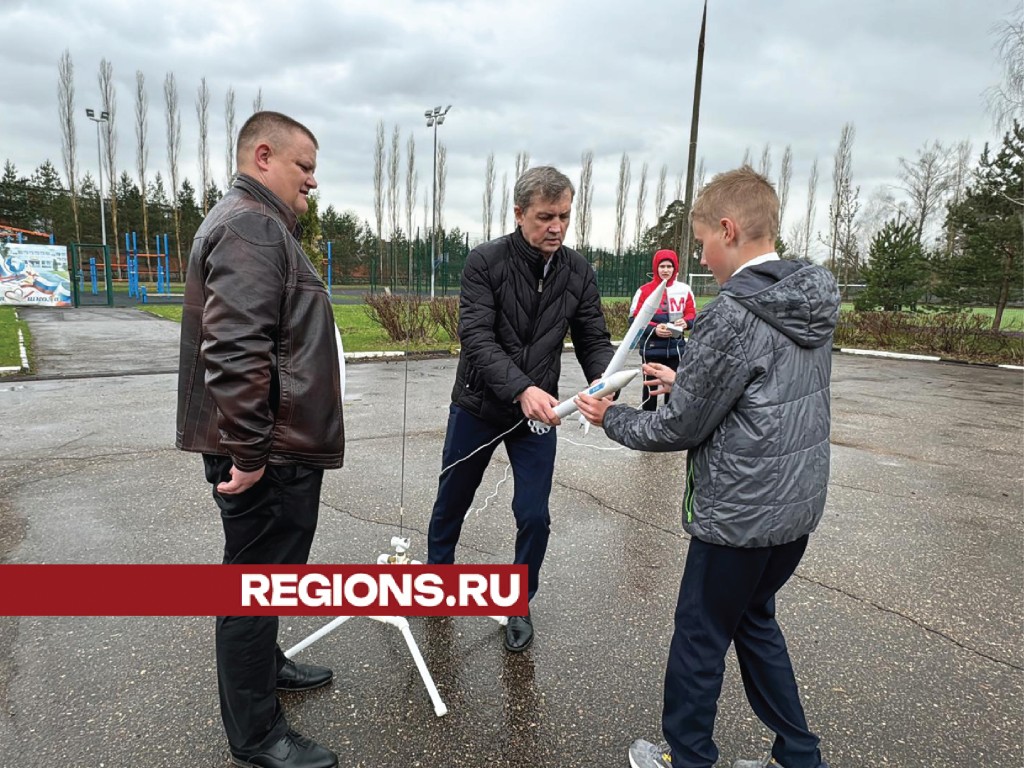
{"x":660,"y":256}
{"x":801,"y":300}
{"x":648,"y":288}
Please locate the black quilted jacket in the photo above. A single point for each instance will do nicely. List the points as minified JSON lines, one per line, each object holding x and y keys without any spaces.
{"x":513,"y":321}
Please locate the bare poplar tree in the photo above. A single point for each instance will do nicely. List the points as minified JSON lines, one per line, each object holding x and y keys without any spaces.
{"x":141,"y":148}
{"x":68,"y":135}
{"x":958,"y":183}
{"x":765,"y":168}
{"x":621,"y":201}
{"x":203,"y":113}
{"x":659,"y":193}
{"x":522,"y":163}
{"x":426,"y":215}
{"x":842,"y":171}
{"x":504,"y":202}
{"x":795,"y":239}
{"x":442,"y":178}
{"x":848,"y":206}
{"x":394,"y":166}
{"x":699,"y":176}
{"x":747,"y":158}
{"x":1006,"y":101}
{"x":680,"y":181}
{"x":378,"y":195}
{"x":812,"y":192}
{"x":785,"y":175}
{"x":173,"y":122}
{"x":257,"y":103}
{"x":584,"y":198}
{"x":229,"y":127}
{"x":926,"y":181}
{"x":488,"y":196}
{"x":411,"y":181}
{"x":108,"y":96}
{"x":641,"y":205}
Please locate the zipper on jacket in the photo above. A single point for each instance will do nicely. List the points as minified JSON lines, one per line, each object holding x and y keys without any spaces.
{"x":540,"y":285}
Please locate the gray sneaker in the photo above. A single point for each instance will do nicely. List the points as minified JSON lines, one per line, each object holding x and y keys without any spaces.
{"x":643,"y":754}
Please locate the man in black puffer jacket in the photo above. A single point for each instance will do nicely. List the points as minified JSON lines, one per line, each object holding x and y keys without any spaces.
{"x":521,"y":294}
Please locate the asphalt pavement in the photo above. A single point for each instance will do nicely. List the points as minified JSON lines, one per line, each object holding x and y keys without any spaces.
{"x":904,"y":619}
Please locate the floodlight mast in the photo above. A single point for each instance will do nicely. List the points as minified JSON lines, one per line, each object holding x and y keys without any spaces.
{"x":104,"y":117}
{"x":435,"y":117}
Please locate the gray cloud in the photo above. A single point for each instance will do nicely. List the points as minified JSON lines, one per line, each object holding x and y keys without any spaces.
{"x":553,"y":79}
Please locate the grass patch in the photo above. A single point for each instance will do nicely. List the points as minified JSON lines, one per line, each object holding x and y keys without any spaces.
{"x":924,"y":333}
{"x":358,"y":332}
{"x":10,"y":353}
{"x":166,"y":311}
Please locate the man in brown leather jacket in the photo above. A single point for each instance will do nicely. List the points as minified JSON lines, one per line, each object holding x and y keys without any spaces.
{"x":259,"y":395}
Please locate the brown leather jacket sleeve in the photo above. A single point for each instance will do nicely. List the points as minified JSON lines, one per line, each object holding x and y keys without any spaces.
{"x":244,"y":272}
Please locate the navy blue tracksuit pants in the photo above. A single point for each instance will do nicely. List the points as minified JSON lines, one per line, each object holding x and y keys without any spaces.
{"x":533,"y":463}
{"x":727,"y":596}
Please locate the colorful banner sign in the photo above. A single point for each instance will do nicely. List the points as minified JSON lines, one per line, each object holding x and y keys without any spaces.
{"x":35,"y":275}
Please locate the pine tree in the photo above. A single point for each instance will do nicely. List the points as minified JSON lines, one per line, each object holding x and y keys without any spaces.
{"x":896,"y":273}
{"x":986,"y":266}
{"x":313,"y":236}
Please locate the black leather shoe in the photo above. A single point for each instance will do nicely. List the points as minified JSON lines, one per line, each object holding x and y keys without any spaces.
{"x":518,"y":633}
{"x":302,"y":677}
{"x":293,"y":750}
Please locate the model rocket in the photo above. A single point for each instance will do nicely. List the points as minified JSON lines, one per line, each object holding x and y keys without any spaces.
{"x":604,"y":387}
{"x":637,"y":327}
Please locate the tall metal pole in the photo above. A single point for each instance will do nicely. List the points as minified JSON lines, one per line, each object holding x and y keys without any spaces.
{"x":692,"y":157}
{"x":433,"y":216}
{"x":99,"y":161}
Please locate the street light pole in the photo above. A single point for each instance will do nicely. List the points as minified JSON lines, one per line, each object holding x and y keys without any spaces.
{"x":434,"y":117}
{"x":104,"y":116}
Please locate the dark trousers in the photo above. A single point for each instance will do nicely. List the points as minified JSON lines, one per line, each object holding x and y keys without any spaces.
{"x":533,"y":463}
{"x":647,"y":402}
{"x":272,"y":522}
{"x":727,"y":596}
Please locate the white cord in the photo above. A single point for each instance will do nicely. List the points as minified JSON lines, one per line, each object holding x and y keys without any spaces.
{"x":445,"y":469}
{"x":492,"y":494}
{"x":593,"y":447}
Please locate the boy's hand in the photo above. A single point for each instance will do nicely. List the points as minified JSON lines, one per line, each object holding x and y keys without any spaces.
{"x":658,"y":378}
{"x":661,"y":330}
{"x":593,"y":408}
{"x":537,"y":405}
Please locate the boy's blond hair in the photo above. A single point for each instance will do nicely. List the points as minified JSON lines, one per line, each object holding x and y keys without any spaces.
{"x":743,"y":195}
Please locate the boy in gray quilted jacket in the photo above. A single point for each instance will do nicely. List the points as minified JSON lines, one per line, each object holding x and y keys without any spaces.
{"x":750,"y":404}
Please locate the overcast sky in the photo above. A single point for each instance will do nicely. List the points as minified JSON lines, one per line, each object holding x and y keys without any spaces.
{"x":547,"y":77}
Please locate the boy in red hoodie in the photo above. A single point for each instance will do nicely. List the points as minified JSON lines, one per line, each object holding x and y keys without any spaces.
{"x":659,"y":344}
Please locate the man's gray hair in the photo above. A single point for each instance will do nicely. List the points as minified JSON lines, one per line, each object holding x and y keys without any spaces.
{"x":544,"y":180}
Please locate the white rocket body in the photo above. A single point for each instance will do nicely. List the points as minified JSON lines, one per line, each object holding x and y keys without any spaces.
{"x":605,"y":387}
{"x":638,"y":326}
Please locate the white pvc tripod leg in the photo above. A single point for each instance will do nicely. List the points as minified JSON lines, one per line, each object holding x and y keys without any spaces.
{"x":324,"y":630}
{"x":403,"y":625}
{"x":428,"y":681}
